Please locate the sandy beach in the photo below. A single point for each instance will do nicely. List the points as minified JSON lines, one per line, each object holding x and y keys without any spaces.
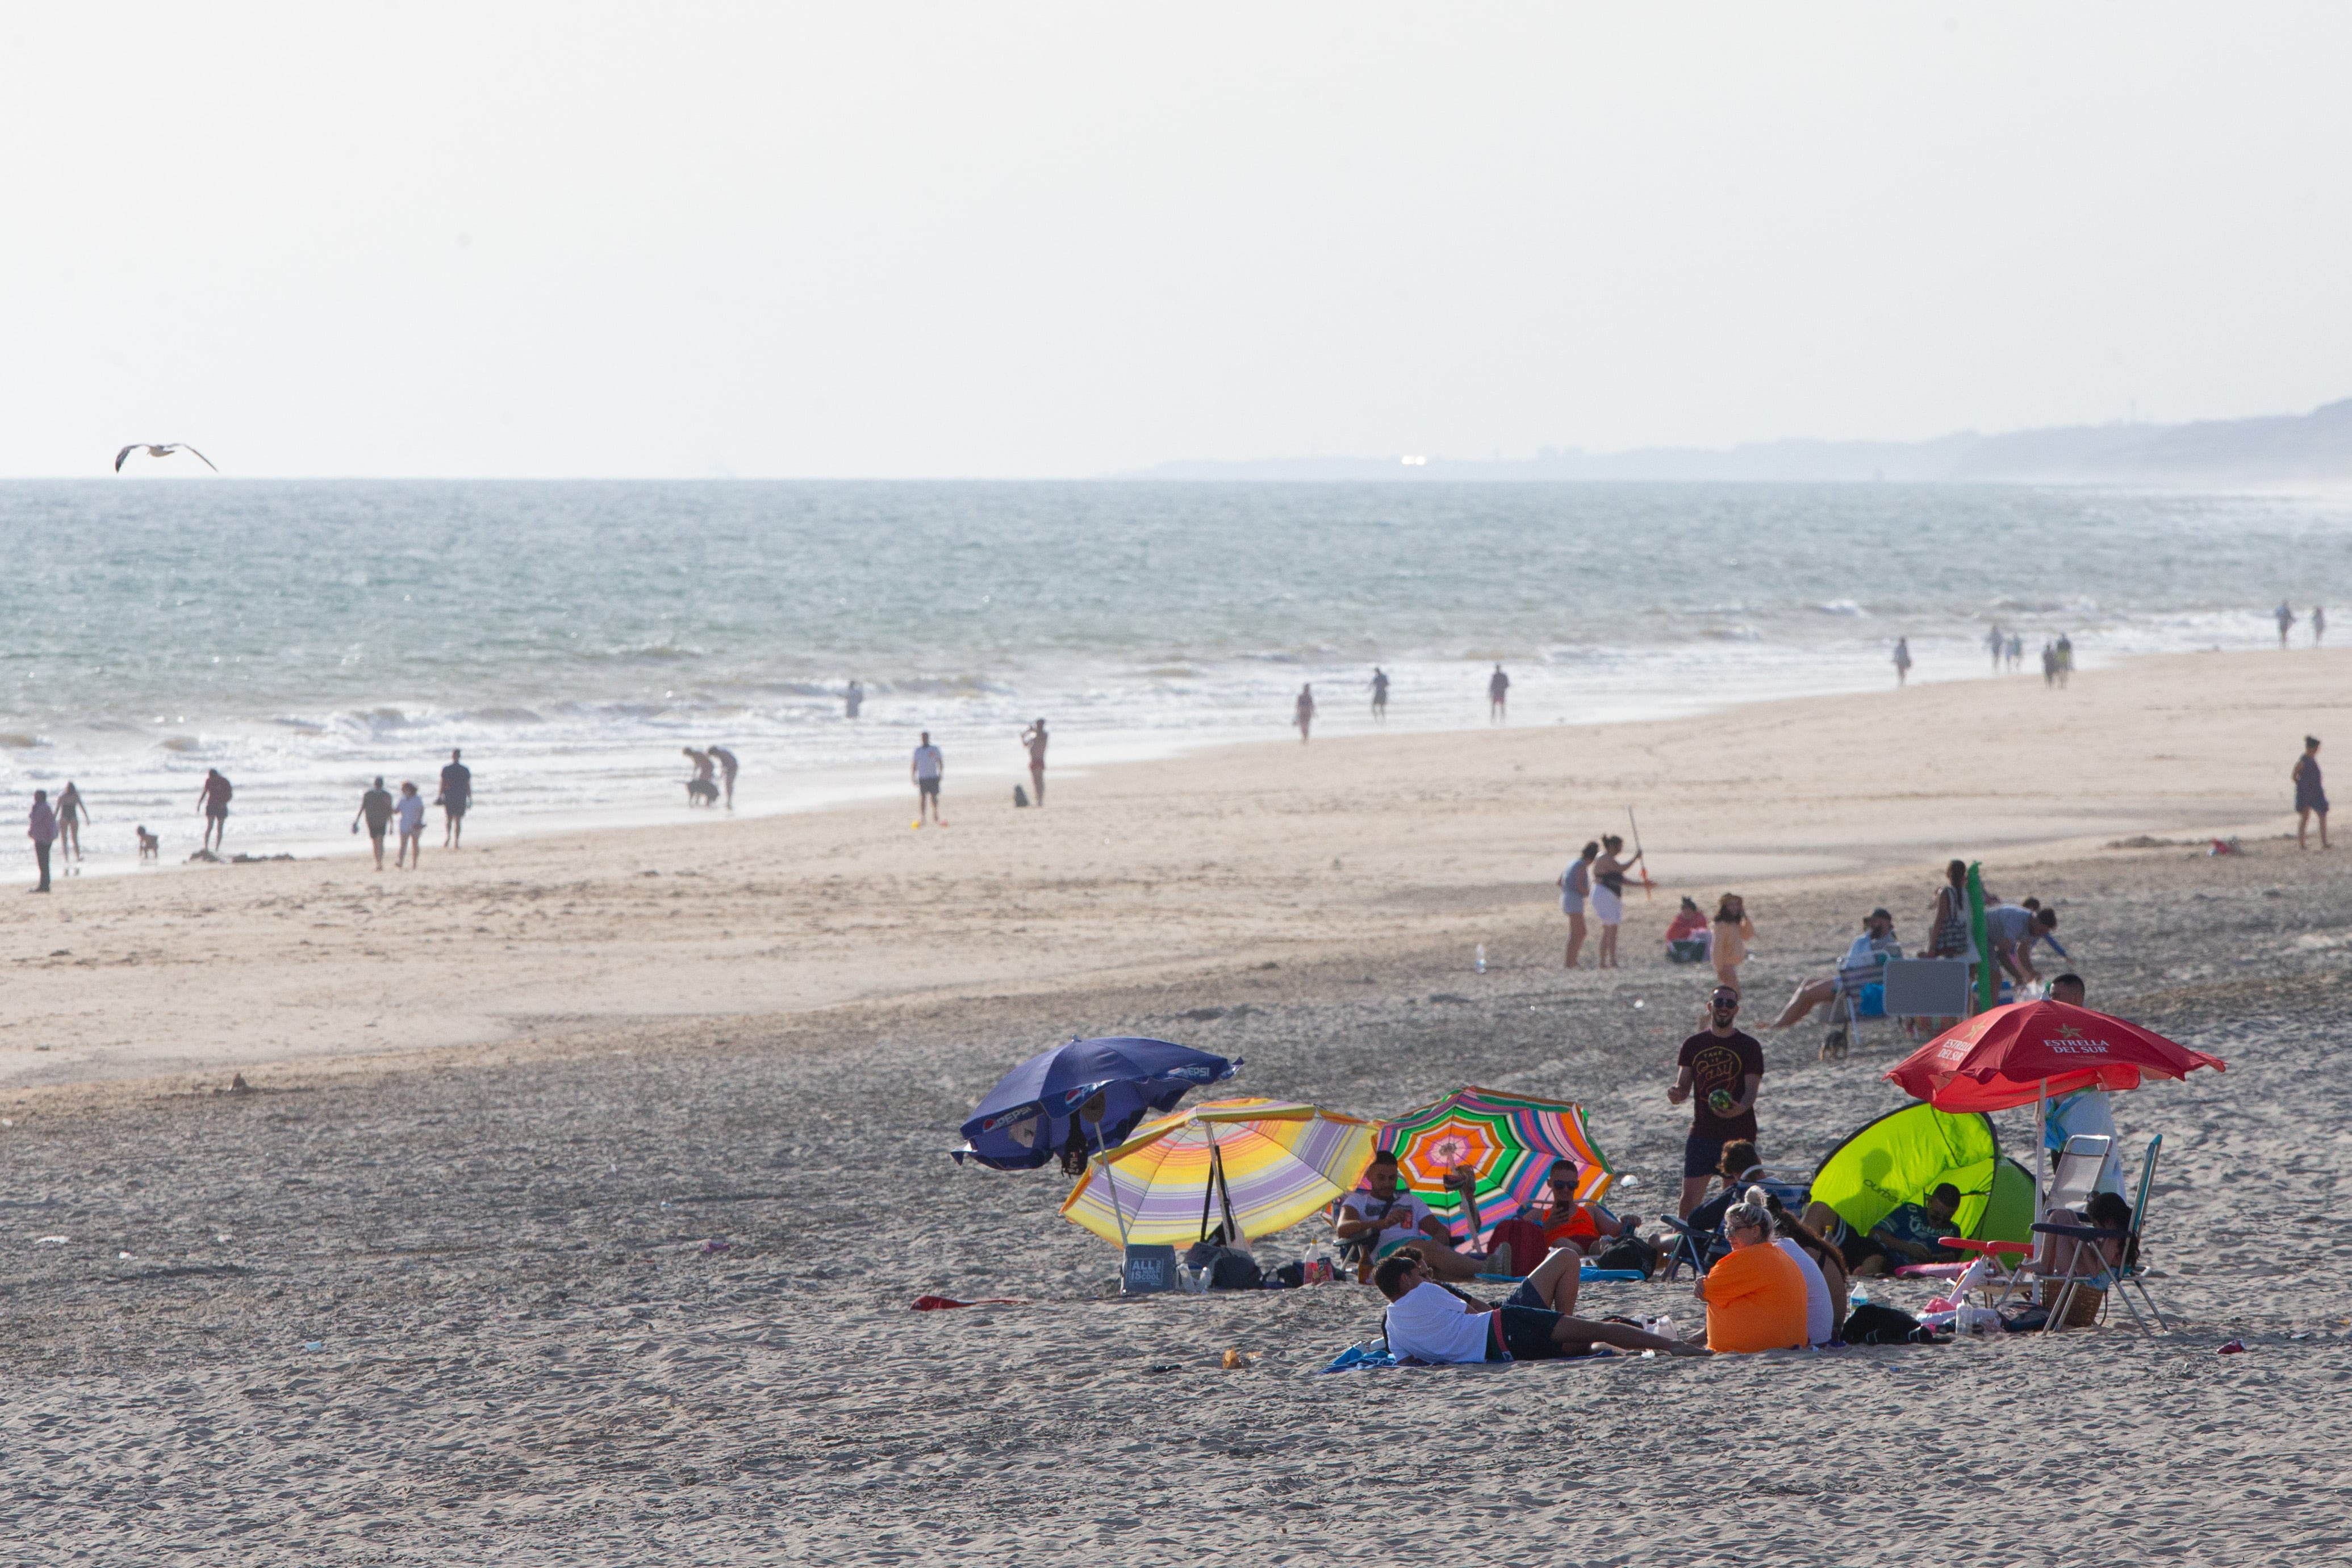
{"x":446,"y":1281}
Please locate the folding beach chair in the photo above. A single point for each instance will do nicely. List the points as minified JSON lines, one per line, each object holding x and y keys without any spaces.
{"x":2118,"y":1280}
{"x":1926,"y":988}
{"x":1699,"y":1240}
{"x":1846,"y":1007}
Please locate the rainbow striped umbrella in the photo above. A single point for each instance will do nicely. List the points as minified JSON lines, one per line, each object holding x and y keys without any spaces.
{"x":1265,"y":1163}
{"x":1507,"y":1141}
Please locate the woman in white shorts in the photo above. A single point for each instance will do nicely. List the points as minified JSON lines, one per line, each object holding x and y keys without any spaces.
{"x":1609,"y":893}
{"x":1575,"y":887}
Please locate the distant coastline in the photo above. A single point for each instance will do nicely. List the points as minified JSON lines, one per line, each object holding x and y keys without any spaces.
{"x":2286,"y":449}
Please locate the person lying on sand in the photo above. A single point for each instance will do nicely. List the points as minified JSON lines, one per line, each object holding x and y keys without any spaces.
{"x":1906,"y":1235}
{"x":1392,"y":1219}
{"x":1877,"y":937}
{"x":1429,"y":1322}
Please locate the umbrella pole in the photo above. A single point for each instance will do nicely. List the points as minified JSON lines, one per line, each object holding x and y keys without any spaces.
{"x":1209,"y":1192}
{"x":1112,"y":1182}
{"x":2041,"y":1140}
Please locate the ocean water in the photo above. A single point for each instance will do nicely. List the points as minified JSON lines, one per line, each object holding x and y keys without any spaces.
{"x":572,"y":637}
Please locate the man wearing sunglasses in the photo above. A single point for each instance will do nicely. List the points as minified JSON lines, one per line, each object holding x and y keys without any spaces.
{"x":1720,"y":1069}
{"x":1430,"y":1321}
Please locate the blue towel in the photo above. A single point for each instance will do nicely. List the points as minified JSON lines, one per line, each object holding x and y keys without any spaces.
{"x":1373,"y":1353}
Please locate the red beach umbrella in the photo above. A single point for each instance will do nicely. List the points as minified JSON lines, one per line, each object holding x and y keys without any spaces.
{"x":2022,"y":1052}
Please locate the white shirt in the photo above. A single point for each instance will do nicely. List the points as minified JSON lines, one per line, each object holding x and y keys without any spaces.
{"x":412,"y":813}
{"x":1403,"y":1220}
{"x":928,"y":764}
{"x":1430,"y":1322}
{"x":1817,"y":1292}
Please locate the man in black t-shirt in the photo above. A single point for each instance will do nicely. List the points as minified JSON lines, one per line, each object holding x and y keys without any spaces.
{"x":1721,"y":1069}
{"x":377,"y":807}
{"x":456,"y":795}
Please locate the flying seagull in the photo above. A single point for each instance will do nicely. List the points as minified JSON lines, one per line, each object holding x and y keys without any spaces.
{"x":163,"y":451}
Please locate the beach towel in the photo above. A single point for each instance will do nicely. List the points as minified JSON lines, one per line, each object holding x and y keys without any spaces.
{"x":1373,"y":1354}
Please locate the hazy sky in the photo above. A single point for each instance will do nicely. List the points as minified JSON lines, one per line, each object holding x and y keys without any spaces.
{"x":1039,"y":239}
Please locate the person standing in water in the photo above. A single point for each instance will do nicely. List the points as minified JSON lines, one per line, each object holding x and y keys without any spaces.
{"x":2016,"y":652}
{"x":457,"y":798}
{"x":1498,"y":696}
{"x":2309,"y":794}
{"x":2318,"y":623}
{"x":1902,"y":660}
{"x":41,"y":827}
{"x":1608,"y":895}
{"x":213,"y":798}
{"x":728,"y":768}
{"x":700,"y":786}
{"x":375,"y":806}
{"x":1303,"y":710}
{"x":1575,"y":887}
{"x":853,"y":699}
{"x":928,"y":768}
{"x":2284,"y":616}
{"x":1996,"y":641}
{"x":1379,"y":695}
{"x":71,"y":815}
{"x":2065,"y":659}
{"x":1033,"y":738}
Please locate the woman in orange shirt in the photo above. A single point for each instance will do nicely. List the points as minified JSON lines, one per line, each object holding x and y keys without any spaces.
{"x":1756,"y":1296}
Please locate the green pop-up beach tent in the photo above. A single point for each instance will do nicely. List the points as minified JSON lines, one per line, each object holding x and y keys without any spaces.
{"x":1906,"y":1154}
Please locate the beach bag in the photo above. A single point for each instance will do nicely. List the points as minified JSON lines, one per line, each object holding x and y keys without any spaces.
{"x":1528,"y":1245}
{"x":1019,"y":796}
{"x":1235,"y":1271}
{"x":1872,"y":1003}
{"x":1629,"y":1252}
{"x":1871,"y":1323}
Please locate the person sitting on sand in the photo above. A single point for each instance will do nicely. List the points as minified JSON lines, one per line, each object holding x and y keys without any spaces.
{"x":1573,"y":1225}
{"x":1390,"y":1217}
{"x":1877,"y":940}
{"x":1906,"y":1235}
{"x":1823,"y":1266}
{"x":1755,"y":1296}
{"x":1427,"y":1321}
{"x":1689,"y":925}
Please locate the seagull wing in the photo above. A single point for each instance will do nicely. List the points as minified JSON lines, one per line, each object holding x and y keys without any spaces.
{"x":123,"y":454}
{"x":200,"y":456}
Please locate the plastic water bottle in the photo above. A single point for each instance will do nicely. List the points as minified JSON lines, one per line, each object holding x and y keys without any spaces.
{"x":1666,"y":1329}
{"x":1481,"y":958}
{"x":1859,"y":1297}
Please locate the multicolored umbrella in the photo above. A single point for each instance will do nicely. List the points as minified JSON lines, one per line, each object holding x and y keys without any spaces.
{"x":1264,"y":1164}
{"x":1508,"y":1142}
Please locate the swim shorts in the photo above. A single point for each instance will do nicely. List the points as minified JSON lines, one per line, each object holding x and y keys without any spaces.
{"x":1702,"y":1156}
{"x":926,"y":787}
{"x":1527,"y":1336}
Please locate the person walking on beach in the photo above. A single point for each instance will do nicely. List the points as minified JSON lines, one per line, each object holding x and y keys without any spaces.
{"x":1575,"y":887}
{"x":928,"y":768}
{"x":71,"y":814}
{"x":1996,"y":641}
{"x":411,"y":849}
{"x":41,"y":827}
{"x":213,"y":798}
{"x":728,"y":768}
{"x":1379,"y":695}
{"x":1033,"y":738}
{"x":1719,"y":1070}
{"x":2309,"y":794}
{"x":1303,"y":710}
{"x":1498,"y":694}
{"x":2049,"y":663}
{"x":457,"y":798}
{"x":1732,"y":930}
{"x":1608,"y":895}
{"x":2285,"y":615}
{"x":375,"y":807}
{"x":2318,"y":623}
{"x":853,"y":699}
{"x":1902,"y":660}
{"x":2065,"y":652}
{"x":2016,"y":652}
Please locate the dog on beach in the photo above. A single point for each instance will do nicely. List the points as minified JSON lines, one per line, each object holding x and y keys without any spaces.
{"x":701,"y":792}
{"x":151,"y":848}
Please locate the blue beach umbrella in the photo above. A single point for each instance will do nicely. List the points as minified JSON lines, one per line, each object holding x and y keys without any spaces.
{"x":1025,"y":1121}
